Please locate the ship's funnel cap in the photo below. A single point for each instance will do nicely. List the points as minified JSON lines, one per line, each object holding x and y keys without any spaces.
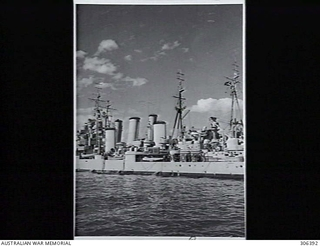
{"x":153,"y":115}
{"x":134,"y":118}
{"x":160,"y":122}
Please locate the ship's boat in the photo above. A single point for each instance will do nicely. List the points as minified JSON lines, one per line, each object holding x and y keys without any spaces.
{"x":87,"y":156}
{"x":150,"y":159}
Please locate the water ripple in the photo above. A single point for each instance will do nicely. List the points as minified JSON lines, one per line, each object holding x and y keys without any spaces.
{"x":158,"y":206}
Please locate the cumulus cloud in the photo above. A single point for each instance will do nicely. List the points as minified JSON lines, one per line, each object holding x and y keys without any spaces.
{"x":84,"y":82}
{"x":128,"y":58}
{"x":203,"y":105}
{"x":170,"y":46}
{"x":185,"y":49}
{"x":138,"y":51}
{"x":210,"y":104}
{"x":166,"y":47}
{"x":117,"y":76}
{"x":81,"y":54}
{"x":135,"y":81}
{"x":155,"y":57}
{"x":107,"y":45}
{"x":106,"y":85}
{"x":100,"y":65}
{"x":87,"y":81}
{"x":215,"y":107}
{"x":106,"y":67}
{"x":220,"y":108}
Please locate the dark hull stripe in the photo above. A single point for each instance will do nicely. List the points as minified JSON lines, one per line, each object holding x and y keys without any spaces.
{"x":171,"y":174}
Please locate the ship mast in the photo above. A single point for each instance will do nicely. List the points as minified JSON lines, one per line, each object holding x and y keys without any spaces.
{"x":97,"y":114}
{"x":179,"y":108}
{"x":231,"y":84}
{"x":107,"y":115}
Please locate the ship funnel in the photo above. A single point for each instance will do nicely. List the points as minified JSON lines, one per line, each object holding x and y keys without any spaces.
{"x":110,"y":139}
{"x":118,"y":126}
{"x":133,"y":131}
{"x":233,"y":145}
{"x":159,"y":132}
{"x":151,"y":120}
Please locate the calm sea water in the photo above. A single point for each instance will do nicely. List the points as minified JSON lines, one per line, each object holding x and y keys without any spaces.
{"x":114,"y":205}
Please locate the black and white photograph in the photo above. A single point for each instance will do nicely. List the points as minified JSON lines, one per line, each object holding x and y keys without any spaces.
{"x":160,"y":120}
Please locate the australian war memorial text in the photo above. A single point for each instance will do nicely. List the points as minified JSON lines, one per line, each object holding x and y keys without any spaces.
{"x":35,"y":243}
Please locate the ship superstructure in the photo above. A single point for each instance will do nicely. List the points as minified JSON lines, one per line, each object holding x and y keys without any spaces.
{"x":100,"y":133}
{"x":182,"y":152}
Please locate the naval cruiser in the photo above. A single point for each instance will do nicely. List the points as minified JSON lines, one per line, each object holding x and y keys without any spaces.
{"x":191,"y":152}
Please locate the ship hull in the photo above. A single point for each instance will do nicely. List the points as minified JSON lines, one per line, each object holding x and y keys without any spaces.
{"x":219,"y":169}
{"x":98,"y":164}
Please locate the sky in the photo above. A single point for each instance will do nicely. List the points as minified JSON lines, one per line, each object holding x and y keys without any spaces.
{"x":135,"y":51}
